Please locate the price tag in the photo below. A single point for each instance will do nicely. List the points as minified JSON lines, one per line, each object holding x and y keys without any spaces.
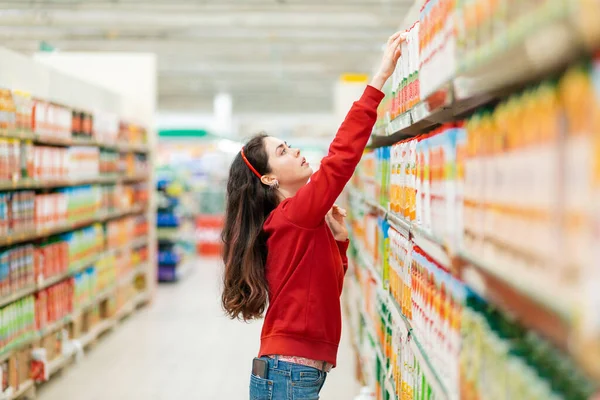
{"x":420,"y":112}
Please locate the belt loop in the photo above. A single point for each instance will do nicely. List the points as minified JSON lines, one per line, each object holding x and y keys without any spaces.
{"x":276,"y":363}
{"x":324,"y":366}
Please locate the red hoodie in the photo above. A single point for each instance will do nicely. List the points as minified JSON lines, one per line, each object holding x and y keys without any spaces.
{"x":305,"y":265}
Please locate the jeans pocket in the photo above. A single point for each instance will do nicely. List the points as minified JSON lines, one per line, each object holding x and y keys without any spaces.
{"x":260,"y":388}
{"x":309,"y":377}
{"x":309,"y":385}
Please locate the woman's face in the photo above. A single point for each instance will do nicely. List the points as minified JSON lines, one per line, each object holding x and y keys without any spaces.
{"x":286,"y":163}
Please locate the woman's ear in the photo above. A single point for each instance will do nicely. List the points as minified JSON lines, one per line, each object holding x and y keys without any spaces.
{"x":269,"y":180}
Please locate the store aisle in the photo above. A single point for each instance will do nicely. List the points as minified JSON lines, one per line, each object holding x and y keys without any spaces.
{"x":181,"y":347}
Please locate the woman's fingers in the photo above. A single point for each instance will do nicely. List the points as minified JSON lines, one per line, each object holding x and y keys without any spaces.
{"x":398,"y":41}
{"x":394,"y":36}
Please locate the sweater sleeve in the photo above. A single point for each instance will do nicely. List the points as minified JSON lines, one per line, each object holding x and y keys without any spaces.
{"x":343,"y":248}
{"x":312,"y":202}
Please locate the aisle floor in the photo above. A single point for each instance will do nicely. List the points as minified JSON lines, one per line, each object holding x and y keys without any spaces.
{"x":180,"y":347}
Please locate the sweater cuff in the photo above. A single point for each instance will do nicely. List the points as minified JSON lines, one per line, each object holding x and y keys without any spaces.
{"x":343,"y":246}
{"x":372,"y":96}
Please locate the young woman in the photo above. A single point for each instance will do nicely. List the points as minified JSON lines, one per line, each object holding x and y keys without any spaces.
{"x":285,"y":244}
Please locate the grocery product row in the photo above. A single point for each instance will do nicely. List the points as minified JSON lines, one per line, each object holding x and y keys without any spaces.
{"x":29,"y":213}
{"x":514,"y":186}
{"x":30,"y":267}
{"x":22,"y":161}
{"x":461,"y":54}
{"x":72,"y":286}
{"x":25,"y":117}
{"x":44,"y":352}
{"x":424,"y":334}
{"x":175,"y":225}
{"x":475,"y":214}
{"x":75,"y":237}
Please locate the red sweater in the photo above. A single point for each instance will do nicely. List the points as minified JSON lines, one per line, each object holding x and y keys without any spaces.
{"x":305,"y":265}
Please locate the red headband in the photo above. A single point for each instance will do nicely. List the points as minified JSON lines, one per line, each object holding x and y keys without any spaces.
{"x":250,"y":165}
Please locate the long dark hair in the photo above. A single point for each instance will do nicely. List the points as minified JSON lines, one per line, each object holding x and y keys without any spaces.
{"x":249,"y":203}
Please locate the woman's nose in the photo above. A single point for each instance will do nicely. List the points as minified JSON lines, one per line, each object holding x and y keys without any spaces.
{"x":297,"y":152}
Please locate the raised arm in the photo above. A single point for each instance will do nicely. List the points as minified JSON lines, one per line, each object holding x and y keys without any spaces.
{"x":310,"y":205}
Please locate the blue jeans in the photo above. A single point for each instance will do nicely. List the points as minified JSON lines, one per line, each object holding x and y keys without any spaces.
{"x":287,"y":381}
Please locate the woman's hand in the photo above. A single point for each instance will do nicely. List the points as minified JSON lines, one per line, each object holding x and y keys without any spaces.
{"x":390,"y":59}
{"x":335,"y":220}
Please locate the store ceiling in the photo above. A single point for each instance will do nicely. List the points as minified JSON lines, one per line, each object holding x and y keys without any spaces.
{"x":271,"y":55}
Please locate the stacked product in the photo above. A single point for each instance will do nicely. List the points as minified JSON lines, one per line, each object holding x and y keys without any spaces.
{"x":169,"y":222}
{"x":16,"y":269}
{"x":16,"y":160}
{"x":405,"y":79}
{"x":133,"y":164}
{"x":109,"y":162}
{"x":105,"y":127}
{"x":119,"y":234}
{"x":132,"y":134}
{"x":83,"y":162}
{"x":81,"y":124}
{"x":17,"y":212}
{"x":84,"y":244}
{"x":51,"y":259}
{"x":437,"y":45}
{"x":17,"y":321}
{"x":486,"y":28}
{"x":53,"y":303}
{"x":106,"y":272}
{"x":56,"y":273}
{"x":83,"y":202}
{"x":85,"y":287}
{"x":518,"y":363}
{"x":51,"y":121}
{"x":476,"y":232}
{"x":69,"y":205}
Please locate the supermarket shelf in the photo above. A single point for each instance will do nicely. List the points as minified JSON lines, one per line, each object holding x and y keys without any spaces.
{"x":100,"y":328}
{"x":127,"y":147}
{"x":76,"y":267}
{"x":551,"y":300}
{"x":23,"y":388}
{"x":132,"y":244}
{"x":52,"y":327}
{"x":56,"y":325}
{"x":52,"y":184}
{"x":102,"y":217}
{"x":373,"y":333}
{"x":538,"y":307}
{"x":97,"y":331}
{"x":130,"y":307}
{"x":98,"y":298}
{"x":122,"y":147}
{"x":400,"y":224}
{"x":433,"y":246}
{"x":11,"y":298}
{"x":417,"y":348}
{"x":59,"y":363}
{"x":521,"y":63}
{"x":7,"y":350}
{"x":368,"y":264}
{"x":141,"y":268}
{"x":517,"y":296}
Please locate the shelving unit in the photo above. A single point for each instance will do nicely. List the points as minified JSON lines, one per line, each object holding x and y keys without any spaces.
{"x":435,"y":298}
{"x":175,"y":231}
{"x":39,"y":139}
{"x":102,"y":217}
{"x":80,"y":269}
{"x":501,"y":74}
